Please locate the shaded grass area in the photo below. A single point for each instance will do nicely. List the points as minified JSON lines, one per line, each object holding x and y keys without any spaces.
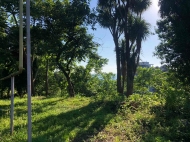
{"x":138,"y":118}
{"x":148,"y":118}
{"x":57,"y":119}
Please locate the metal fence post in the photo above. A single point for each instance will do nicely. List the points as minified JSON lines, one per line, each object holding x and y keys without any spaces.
{"x":12,"y":105}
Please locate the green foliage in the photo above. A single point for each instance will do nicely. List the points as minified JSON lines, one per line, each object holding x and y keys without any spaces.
{"x":88,"y":84}
{"x":149,"y":80}
{"x":59,"y":41}
{"x":105,"y":85}
{"x":129,"y":123}
{"x":173,"y":31}
{"x":162,"y":116}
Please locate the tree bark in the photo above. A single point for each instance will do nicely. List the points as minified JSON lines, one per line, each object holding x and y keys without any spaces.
{"x":1,"y":93}
{"x":118,"y":63}
{"x":70,"y":85}
{"x":47,"y":81}
{"x":130,"y":79}
{"x":123,"y":68}
{"x":32,"y":76}
{"x":8,"y":92}
{"x":32,"y":84}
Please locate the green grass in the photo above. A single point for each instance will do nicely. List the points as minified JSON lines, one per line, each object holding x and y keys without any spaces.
{"x":138,"y":118}
{"x":56,"y":119}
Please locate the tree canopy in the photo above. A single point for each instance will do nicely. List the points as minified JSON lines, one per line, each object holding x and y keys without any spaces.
{"x":59,"y":41}
{"x":173,"y":31}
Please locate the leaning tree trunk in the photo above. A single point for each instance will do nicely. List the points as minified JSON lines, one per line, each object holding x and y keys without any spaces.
{"x":70,"y":85}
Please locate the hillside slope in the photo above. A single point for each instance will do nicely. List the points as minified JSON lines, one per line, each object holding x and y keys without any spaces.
{"x":138,"y":118}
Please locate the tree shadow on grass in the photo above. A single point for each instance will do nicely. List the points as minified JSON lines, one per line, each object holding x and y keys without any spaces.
{"x":20,"y":110}
{"x":76,"y":125}
{"x":41,"y":107}
{"x":4,"y":111}
{"x":20,"y":107}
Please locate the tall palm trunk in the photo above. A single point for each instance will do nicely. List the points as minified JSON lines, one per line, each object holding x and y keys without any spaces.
{"x":128,"y":52}
{"x":123,"y":67}
{"x":130,"y":80}
{"x":132,"y":67}
{"x":130,"y":76}
{"x":118,"y":63}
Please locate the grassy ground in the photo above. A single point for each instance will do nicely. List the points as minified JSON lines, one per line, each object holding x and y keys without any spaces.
{"x":56,"y":119}
{"x":138,"y":118}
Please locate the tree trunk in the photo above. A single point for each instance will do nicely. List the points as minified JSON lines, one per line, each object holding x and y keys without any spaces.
{"x":127,"y":49}
{"x":70,"y":87}
{"x":2,"y":89}
{"x":118,"y":64}
{"x":123,"y":68}
{"x":70,"y":84}
{"x":8,"y":92}
{"x":132,"y":67}
{"x":130,"y":80}
{"x":1,"y":94}
{"x":32,"y":76}
{"x":32,"y":85}
{"x":47,"y":82}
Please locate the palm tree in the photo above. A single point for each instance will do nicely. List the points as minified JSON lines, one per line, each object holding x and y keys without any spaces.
{"x":139,"y":31}
{"x":139,"y":6}
{"x":124,"y":17}
{"x":108,"y":17}
{"x":135,"y":30}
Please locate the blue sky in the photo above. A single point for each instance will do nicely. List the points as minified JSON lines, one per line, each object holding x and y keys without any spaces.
{"x":106,"y":48}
